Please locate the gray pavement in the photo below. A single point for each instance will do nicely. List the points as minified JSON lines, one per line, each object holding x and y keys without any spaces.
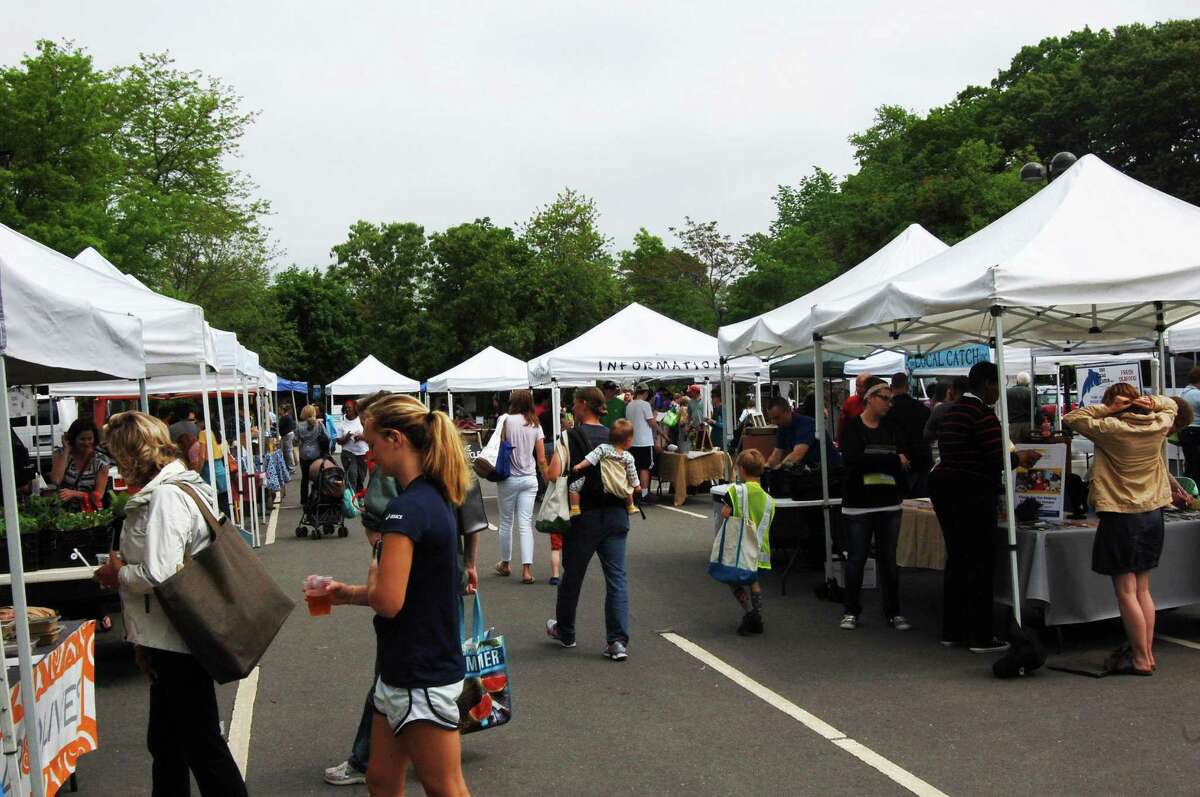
{"x":664,"y":723}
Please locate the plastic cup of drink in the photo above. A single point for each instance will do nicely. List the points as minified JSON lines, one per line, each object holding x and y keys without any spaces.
{"x":317,"y":595}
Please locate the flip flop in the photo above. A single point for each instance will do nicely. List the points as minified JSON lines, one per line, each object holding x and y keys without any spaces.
{"x":530,"y":580}
{"x":1123,"y":664}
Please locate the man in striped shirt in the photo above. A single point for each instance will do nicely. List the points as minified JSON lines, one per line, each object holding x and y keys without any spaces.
{"x":965,"y":487}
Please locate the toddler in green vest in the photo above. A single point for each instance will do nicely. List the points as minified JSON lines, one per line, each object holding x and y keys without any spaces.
{"x":760,"y":512}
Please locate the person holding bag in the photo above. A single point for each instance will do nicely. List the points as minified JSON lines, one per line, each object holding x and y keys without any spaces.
{"x":516,"y":494}
{"x":413,"y":585}
{"x":163,"y":528}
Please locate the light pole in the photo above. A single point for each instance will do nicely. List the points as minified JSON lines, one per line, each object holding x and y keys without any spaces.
{"x":1034,"y":172}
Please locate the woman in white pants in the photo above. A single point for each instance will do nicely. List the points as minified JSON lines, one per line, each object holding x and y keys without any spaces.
{"x":517,"y":493}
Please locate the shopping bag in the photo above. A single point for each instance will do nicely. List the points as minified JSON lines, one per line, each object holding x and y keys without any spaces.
{"x":223,"y":602}
{"x":486,"y":698}
{"x":734,"y":556}
{"x":350,"y":504}
{"x":489,"y":462}
{"x":554,"y":514}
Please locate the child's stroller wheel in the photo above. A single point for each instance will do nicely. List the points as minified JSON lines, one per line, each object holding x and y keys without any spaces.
{"x":301,"y":531}
{"x":343,"y":531}
{"x":327,"y":530}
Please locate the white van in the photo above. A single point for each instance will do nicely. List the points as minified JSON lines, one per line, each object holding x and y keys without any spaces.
{"x":54,"y":416}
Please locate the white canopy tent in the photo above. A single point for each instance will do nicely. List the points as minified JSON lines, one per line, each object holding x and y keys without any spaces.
{"x":766,"y":335}
{"x":47,"y":332}
{"x":489,"y":370}
{"x":1094,"y":256}
{"x":369,"y":376}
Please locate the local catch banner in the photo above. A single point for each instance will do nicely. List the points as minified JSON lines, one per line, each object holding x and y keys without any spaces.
{"x":1093,"y":380}
{"x":957,"y":360}
{"x":65,"y":689}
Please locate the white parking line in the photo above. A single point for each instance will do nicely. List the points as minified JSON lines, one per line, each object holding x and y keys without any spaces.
{"x":243,"y":716}
{"x":1187,"y":643}
{"x":271,"y":525}
{"x":682,"y":511}
{"x":814,"y":723}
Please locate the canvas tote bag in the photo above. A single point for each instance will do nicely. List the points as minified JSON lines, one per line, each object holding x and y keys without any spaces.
{"x":223,"y":602}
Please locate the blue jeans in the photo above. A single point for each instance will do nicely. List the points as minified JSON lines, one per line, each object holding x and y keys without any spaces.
{"x":602,"y":532}
{"x":360,"y":753}
{"x":885,"y":528}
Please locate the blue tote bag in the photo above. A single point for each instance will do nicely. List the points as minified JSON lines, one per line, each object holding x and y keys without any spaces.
{"x":486,"y":698}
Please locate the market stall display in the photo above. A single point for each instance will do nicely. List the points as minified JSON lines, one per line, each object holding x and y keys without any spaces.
{"x":369,"y":376}
{"x":921,"y":543}
{"x":65,"y":674}
{"x":691,"y":470}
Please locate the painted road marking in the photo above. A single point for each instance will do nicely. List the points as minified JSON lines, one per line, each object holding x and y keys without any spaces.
{"x":682,"y":511}
{"x":1187,"y":643}
{"x":814,"y":723}
{"x":243,"y":716}
{"x":271,"y":525}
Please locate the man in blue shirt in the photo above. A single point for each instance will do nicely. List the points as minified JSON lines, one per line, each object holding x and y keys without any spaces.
{"x":796,"y":440}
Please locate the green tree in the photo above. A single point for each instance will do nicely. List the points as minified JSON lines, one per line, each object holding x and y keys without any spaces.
{"x":722,"y":260}
{"x":669,"y":281}
{"x":329,"y":339}
{"x":58,"y":164}
{"x":572,"y":267}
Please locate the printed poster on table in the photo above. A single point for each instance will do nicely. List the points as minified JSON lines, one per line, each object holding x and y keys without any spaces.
{"x":65,"y":684}
{"x":1044,"y":482}
{"x":1093,"y":380}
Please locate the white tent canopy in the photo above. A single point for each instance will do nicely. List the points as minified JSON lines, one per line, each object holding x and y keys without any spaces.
{"x":636,"y":343}
{"x":1084,"y":259}
{"x":173,"y":339}
{"x":769,"y":333}
{"x":490,"y":369}
{"x":371,"y":375}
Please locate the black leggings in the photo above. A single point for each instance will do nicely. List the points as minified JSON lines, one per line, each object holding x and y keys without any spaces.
{"x":304,"y":466}
{"x":184,"y":731}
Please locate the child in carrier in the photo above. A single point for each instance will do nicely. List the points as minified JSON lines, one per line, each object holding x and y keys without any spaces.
{"x":759,"y":512}
{"x":611,"y":457}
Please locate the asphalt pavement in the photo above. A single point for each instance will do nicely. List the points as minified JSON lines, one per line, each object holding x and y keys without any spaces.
{"x":806,"y":709}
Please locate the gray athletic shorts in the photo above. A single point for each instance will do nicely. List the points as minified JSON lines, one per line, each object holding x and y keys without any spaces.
{"x":403,"y":706}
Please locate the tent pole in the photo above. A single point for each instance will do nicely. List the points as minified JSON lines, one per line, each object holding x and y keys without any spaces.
{"x":450,"y":404}
{"x":30,"y":724}
{"x":143,"y":397}
{"x":248,"y":469}
{"x":758,"y":407}
{"x":819,"y":385}
{"x":208,"y":438}
{"x":225,"y":445}
{"x":1010,"y":514}
{"x":259,"y":400}
{"x":1058,"y":397}
{"x":1033,"y":406}
{"x":1159,"y":329}
{"x":37,"y":427}
{"x":728,"y":400}
{"x":556,"y":408}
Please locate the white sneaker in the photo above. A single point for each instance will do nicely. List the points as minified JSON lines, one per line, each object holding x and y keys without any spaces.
{"x":344,"y":774}
{"x":849,"y":622}
{"x":900,"y":624}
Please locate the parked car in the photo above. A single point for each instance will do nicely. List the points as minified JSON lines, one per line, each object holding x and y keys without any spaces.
{"x":54,"y":416}
{"x":1046,"y":399}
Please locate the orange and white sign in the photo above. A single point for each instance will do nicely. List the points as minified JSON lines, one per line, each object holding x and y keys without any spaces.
{"x":65,"y":688}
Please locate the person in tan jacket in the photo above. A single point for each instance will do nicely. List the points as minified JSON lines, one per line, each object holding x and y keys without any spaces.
{"x":1129,"y":488}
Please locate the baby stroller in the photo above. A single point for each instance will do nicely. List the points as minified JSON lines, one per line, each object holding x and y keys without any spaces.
{"x":323,"y":508}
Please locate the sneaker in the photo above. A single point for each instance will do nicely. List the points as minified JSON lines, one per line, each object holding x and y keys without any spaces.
{"x":950,"y":643}
{"x":553,"y":581}
{"x":849,"y":622}
{"x":751,"y":624}
{"x":992,"y":646}
{"x":900,"y":624}
{"x":344,"y":774}
{"x":633,"y":510}
{"x":552,"y":632}
{"x":616,"y":651}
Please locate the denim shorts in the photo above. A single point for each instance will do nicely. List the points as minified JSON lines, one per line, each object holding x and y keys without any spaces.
{"x":1127,"y":542}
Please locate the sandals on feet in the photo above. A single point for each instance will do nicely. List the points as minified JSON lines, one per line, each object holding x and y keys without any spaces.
{"x":503,"y":569}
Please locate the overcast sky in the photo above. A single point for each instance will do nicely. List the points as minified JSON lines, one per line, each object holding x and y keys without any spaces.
{"x":444,"y":112}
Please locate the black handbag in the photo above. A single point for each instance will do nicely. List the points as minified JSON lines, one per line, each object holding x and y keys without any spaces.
{"x":223,"y":602}
{"x":472,"y":515}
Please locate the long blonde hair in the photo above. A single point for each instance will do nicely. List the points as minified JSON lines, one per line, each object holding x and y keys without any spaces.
{"x":309,"y":413}
{"x":443,"y":458}
{"x":141,"y":445}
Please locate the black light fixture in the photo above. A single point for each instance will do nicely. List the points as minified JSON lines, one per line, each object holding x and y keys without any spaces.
{"x":1034,"y":172}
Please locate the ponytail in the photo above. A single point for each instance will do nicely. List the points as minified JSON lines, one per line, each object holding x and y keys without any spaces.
{"x":443,"y":458}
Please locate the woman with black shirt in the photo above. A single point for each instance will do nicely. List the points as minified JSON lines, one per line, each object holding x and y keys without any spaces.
{"x":413,"y":586}
{"x":874,"y":468}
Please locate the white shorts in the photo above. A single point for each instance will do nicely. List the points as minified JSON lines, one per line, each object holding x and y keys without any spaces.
{"x":402,"y":706}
